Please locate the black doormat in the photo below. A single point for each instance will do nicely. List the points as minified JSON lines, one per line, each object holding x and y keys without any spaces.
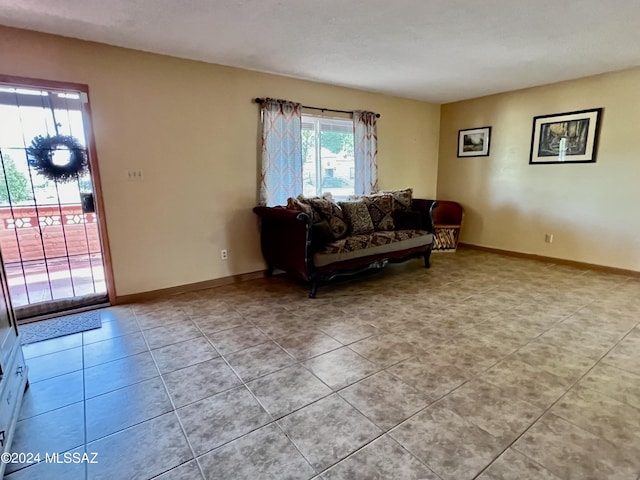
{"x":58,"y":327}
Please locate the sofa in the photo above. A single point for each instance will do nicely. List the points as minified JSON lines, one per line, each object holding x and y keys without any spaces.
{"x":317,"y":240}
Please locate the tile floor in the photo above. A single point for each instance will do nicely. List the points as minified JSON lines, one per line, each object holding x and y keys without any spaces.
{"x":483,"y":367}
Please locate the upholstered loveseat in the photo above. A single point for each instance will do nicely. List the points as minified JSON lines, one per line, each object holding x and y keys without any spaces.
{"x":317,"y":240}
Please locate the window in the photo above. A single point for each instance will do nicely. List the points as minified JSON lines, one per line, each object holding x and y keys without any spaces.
{"x":327,"y":156}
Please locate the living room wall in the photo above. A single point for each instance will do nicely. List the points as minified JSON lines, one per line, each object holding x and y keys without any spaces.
{"x":192,"y":128}
{"x":591,"y":209}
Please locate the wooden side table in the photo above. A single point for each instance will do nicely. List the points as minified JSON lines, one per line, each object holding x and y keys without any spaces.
{"x":447,"y":221}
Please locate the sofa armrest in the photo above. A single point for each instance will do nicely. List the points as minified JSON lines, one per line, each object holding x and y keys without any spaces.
{"x":285,"y":239}
{"x":425,"y":207}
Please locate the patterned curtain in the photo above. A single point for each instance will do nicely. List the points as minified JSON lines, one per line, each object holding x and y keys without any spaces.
{"x":281,"y":151}
{"x":365,"y":138}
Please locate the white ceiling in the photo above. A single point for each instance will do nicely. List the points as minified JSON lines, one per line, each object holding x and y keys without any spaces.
{"x":434,"y":50}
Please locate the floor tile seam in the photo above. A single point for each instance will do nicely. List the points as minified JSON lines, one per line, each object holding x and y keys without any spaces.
{"x":117,"y":359}
{"x":333,"y":390}
{"x":116,"y":335}
{"x":535,"y":462}
{"x":120,"y":388}
{"x":144,"y":329}
{"x":132,"y":425}
{"x":209,"y":341}
{"x":312,"y":327}
{"x":25,"y":466}
{"x":227,"y":442}
{"x":430,"y":402}
{"x":55,"y":353}
{"x":532,"y":340}
{"x":174,"y":410}
{"x":343,"y":343}
{"x":31,"y":382}
{"x":601,"y":357}
{"x":548,"y":410}
{"x":435,"y":400}
{"x":595,"y":434}
{"x":422,"y":462}
{"x":276,"y":418}
{"x":291,"y":442}
{"x":381,"y":434}
{"x":414,"y":456}
{"x":53,"y":409}
{"x":48,"y":353}
{"x":200,"y":334}
{"x":177,"y":467}
{"x":84,"y":409}
{"x":300,"y":360}
{"x":127,"y":355}
{"x":605,"y":362}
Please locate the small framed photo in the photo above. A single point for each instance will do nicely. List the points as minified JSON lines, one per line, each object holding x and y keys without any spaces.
{"x":570,"y":137}
{"x":474,"y":142}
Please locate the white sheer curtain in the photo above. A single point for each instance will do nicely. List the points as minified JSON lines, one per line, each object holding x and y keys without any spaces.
{"x":281,"y":151}
{"x":365,"y":152}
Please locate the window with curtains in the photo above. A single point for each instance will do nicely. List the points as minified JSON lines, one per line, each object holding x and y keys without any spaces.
{"x":313,"y":155}
{"x":328,"y":164}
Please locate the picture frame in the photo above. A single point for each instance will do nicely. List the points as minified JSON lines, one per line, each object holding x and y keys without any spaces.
{"x":570,"y":137}
{"x":474,"y":142}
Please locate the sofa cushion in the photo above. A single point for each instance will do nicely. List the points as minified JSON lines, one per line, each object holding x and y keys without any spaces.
{"x":328,"y":210}
{"x":401,"y":199}
{"x":357,"y":216}
{"x":381,"y":211}
{"x":357,"y":246}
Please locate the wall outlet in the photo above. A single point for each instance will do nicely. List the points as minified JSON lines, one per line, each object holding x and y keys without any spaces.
{"x":134,"y":175}
{"x":224,"y":254}
{"x":548,"y":237}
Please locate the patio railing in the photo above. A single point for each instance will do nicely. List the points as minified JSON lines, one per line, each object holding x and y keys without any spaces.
{"x":27,"y":234}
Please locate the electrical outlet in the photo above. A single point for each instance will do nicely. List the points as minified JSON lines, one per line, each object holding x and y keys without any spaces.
{"x":224,"y":254}
{"x":134,"y":175}
{"x":548,"y":237}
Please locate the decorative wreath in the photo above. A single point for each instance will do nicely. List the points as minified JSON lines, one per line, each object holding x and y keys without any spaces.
{"x":41,"y":153}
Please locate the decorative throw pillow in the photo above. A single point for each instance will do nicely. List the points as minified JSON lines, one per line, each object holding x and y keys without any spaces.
{"x":328,"y":210}
{"x":357,"y":216}
{"x":401,"y":199}
{"x":380,"y":210}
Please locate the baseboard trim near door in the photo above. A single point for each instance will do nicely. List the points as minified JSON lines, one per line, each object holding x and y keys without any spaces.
{"x":191,"y":287}
{"x":558,"y":261}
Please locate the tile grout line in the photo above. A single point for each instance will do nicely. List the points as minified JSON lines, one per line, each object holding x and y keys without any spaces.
{"x":548,"y":409}
{"x":173,"y":406}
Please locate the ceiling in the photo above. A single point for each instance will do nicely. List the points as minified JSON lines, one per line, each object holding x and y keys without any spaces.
{"x":434,"y":50}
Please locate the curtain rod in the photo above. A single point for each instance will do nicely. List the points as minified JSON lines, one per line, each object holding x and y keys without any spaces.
{"x":261,"y":100}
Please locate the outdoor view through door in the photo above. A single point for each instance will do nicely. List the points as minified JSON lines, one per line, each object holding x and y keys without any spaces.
{"x":49,"y":232}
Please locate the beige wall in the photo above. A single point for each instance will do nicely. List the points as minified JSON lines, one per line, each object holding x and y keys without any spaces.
{"x":192,"y":128}
{"x":591,"y":209}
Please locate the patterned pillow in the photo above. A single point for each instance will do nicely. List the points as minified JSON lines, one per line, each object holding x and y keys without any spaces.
{"x":381,"y":211}
{"x":328,"y":210}
{"x":357,"y":216}
{"x":295,"y":204}
{"x":401,"y":199}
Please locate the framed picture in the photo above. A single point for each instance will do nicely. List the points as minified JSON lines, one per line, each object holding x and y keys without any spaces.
{"x":474,"y":142}
{"x":565,"y":137}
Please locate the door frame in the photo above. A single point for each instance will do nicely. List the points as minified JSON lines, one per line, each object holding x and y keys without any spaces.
{"x":94,"y":169}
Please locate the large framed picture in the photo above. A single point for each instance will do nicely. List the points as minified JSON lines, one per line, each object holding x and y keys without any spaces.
{"x":474,"y":142}
{"x":570,"y":137}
